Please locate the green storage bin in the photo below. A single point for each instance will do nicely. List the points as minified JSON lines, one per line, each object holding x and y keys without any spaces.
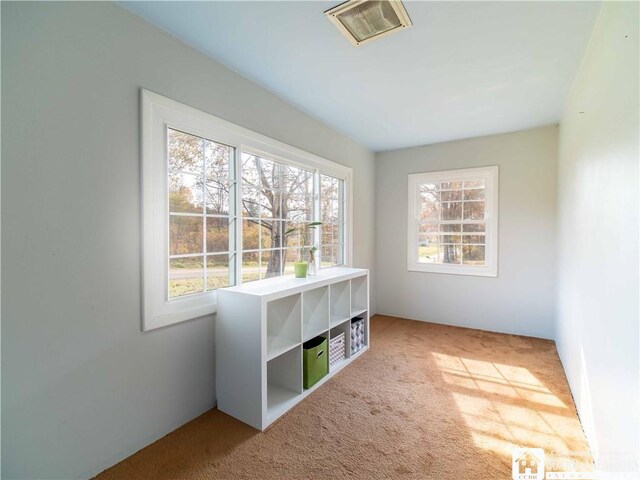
{"x":315,"y":361}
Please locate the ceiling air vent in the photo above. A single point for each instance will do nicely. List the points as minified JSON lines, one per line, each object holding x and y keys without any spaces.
{"x":363,"y":21}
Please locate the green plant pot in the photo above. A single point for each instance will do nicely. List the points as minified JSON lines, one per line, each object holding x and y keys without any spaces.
{"x":300,"y":269}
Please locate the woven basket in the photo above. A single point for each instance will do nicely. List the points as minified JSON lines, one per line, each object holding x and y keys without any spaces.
{"x":357,"y":334}
{"x":337,"y":349}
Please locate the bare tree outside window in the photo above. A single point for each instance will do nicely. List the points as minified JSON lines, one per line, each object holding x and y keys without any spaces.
{"x":275,"y":198}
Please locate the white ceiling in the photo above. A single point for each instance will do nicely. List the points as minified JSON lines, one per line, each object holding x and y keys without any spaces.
{"x":464,"y":69}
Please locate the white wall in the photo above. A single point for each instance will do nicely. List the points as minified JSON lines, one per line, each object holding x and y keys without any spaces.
{"x":522,"y":299}
{"x":597,"y":334}
{"x":82,"y":387}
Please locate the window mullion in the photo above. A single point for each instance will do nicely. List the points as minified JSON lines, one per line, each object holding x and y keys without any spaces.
{"x":316,"y":217}
{"x":237,"y":211}
{"x":204,"y":215}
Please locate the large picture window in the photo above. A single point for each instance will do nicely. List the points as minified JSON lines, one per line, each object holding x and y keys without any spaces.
{"x":222,"y":206}
{"x":453,"y":222}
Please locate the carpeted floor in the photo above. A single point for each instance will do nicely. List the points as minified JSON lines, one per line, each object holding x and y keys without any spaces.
{"x":425,"y":402}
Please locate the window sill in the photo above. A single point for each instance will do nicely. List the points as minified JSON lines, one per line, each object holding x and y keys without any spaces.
{"x":180,"y":310}
{"x":487,"y":271}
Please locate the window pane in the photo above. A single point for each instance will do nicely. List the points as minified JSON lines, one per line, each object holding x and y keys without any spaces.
{"x":186,"y":276}
{"x":427,"y":248}
{"x":250,"y":266}
{"x":473,"y":239}
{"x":217,"y":159}
{"x":450,"y":185}
{"x":218,"y":192}
{"x":330,"y":234}
{"x":474,"y":210}
{"x":250,"y":172}
{"x":185,"y":193}
{"x":329,"y":188}
{"x":429,"y":211}
{"x":451,"y":210}
{"x":428,"y":239}
{"x":185,"y":235}
{"x":428,"y":252}
{"x":450,"y":227}
{"x":473,"y":227}
{"x":217,"y":271}
{"x":270,"y":174}
{"x":270,"y":234}
{"x":428,"y":228}
{"x":185,"y":152}
{"x":477,"y":194}
{"x":218,"y":235}
{"x":450,"y":254}
{"x":473,"y":255}
{"x":250,"y":235}
{"x":450,"y":239}
{"x":331,"y":211}
{"x":429,"y":187}
{"x":474,"y":184}
{"x":291,"y":255}
{"x":329,"y":256}
{"x":251,"y":203}
{"x":271,"y":264}
{"x":296,"y":181}
{"x":428,"y":193}
{"x":298,"y":207}
{"x":269,"y":201}
{"x":451,"y":195}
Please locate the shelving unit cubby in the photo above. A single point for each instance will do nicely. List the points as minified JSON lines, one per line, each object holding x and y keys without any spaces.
{"x":340,"y":304}
{"x":316,"y":312}
{"x":260,"y":328}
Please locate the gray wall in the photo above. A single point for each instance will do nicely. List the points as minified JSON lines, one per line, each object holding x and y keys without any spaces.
{"x":522,"y":299}
{"x":598,"y":312}
{"x":82,"y":387}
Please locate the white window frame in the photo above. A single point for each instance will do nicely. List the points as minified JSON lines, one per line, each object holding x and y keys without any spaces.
{"x":158,"y":113}
{"x":491,"y":178}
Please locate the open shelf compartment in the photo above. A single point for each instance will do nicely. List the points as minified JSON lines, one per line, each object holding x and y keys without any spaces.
{"x":284,"y":320}
{"x":315,"y":312}
{"x":284,"y":382}
{"x":359,"y":295}
{"x":339,"y":295}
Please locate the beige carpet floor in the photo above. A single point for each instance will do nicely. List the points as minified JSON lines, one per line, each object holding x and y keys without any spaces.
{"x":425,"y":402}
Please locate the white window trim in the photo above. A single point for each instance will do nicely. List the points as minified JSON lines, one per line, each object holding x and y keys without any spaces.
{"x":491,"y":177}
{"x":158,"y":113}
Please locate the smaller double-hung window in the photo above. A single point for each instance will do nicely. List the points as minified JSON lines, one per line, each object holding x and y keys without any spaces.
{"x":453,"y":222}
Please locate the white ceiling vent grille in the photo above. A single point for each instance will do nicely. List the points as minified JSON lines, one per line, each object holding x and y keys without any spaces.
{"x":363,"y":21}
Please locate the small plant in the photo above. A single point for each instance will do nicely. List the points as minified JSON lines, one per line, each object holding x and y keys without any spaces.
{"x":300,"y":266}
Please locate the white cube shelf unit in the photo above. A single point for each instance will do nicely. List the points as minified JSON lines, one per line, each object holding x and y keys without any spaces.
{"x":260,"y":329}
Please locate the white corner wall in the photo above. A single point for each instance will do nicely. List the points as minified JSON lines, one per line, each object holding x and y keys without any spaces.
{"x":521,"y":300}
{"x":82,"y":386}
{"x":598,"y":316}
